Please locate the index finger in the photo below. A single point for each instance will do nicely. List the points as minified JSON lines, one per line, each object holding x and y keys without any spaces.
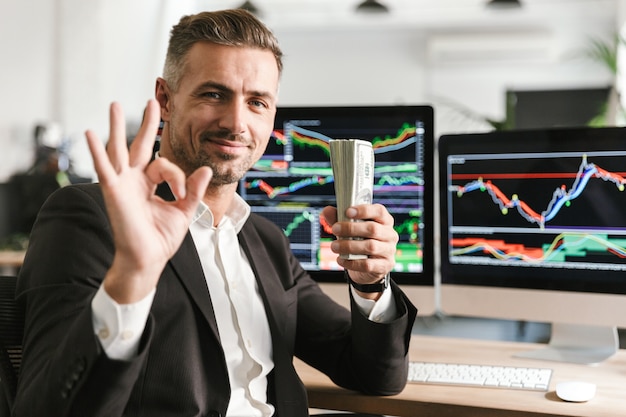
{"x":373,"y":212}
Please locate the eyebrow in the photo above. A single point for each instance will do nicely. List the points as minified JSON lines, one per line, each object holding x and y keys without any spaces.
{"x":225,"y":89}
{"x":212,"y":85}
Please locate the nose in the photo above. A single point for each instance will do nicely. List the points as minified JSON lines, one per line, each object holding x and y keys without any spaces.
{"x":233,"y":117}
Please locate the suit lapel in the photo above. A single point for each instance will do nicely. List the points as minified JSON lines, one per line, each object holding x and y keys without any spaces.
{"x":188,"y":268}
{"x":270,"y":287}
{"x":186,"y":265}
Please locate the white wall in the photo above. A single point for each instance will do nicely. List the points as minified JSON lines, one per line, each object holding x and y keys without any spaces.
{"x":345,"y":67}
{"x":27,"y":48}
{"x":66,"y":60}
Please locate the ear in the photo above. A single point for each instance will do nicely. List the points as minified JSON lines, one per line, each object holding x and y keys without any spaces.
{"x":162,"y":94}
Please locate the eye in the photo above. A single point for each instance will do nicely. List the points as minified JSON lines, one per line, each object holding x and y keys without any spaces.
{"x":258,"y":103}
{"x":211,"y":94}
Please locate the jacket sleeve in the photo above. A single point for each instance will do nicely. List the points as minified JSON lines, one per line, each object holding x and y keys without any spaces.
{"x":64,"y":367}
{"x":357,"y":354}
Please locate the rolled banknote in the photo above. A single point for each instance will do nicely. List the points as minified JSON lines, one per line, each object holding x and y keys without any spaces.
{"x":352,"y":162}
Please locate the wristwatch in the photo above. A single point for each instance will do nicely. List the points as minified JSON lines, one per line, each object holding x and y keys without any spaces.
{"x":377,"y":287}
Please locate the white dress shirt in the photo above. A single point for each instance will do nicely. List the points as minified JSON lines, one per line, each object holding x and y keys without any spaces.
{"x":240,"y":315}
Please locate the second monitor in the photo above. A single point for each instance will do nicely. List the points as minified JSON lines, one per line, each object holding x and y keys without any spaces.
{"x":534,"y":228}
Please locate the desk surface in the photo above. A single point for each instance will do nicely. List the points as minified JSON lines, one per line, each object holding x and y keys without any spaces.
{"x":12,"y":258}
{"x":447,"y":401}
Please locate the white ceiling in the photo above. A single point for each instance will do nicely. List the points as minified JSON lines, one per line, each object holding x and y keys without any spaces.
{"x":425,"y":15}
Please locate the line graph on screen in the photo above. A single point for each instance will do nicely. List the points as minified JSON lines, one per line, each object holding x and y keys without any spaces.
{"x":555,"y":209}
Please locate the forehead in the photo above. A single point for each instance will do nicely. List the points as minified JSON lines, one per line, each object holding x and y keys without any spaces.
{"x":206,"y":60}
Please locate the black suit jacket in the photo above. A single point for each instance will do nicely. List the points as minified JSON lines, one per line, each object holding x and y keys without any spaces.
{"x":180,"y":369}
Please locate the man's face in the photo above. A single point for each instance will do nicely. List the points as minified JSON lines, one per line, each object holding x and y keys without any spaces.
{"x":223,"y":112}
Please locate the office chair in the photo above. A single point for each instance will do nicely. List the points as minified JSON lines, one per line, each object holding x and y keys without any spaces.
{"x":11,"y":331}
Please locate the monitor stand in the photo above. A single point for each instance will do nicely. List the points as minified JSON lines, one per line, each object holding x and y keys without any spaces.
{"x":575,"y":343}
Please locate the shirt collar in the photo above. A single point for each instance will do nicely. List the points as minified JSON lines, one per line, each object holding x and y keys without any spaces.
{"x":237,"y":213}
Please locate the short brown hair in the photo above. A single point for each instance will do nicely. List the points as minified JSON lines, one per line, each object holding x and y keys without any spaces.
{"x":235,"y":27}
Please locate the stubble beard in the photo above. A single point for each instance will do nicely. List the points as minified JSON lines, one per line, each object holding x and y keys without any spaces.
{"x":224,"y":171}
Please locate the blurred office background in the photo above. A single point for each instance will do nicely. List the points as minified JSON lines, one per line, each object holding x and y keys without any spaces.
{"x":64,"y":61}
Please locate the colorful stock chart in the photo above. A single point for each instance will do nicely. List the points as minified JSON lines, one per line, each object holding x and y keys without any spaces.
{"x":293,"y":181}
{"x":548,"y":209}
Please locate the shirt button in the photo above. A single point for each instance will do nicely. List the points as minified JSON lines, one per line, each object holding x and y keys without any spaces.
{"x":103,"y":333}
{"x":127,"y":334}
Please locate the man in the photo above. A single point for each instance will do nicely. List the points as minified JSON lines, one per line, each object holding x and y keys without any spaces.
{"x":157,"y":293}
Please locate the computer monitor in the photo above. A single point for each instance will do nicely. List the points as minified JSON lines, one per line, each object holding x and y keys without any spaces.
{"x":293,"y":181}
{"x":533,"y":228}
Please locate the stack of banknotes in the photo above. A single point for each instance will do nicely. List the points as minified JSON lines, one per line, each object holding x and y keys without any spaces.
{"x":352,"y":162}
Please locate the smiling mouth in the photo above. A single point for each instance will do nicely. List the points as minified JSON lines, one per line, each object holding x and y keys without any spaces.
{"x":229,"y":143}
{"x":224,"y":138}
{"x":227,"y":149}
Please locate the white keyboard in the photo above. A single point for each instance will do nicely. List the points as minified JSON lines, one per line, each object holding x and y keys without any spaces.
{"x":536,"y":379}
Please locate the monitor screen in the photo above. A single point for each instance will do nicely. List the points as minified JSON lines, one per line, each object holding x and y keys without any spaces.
{"x":534,"y":225}
{"x":293,"y":181}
